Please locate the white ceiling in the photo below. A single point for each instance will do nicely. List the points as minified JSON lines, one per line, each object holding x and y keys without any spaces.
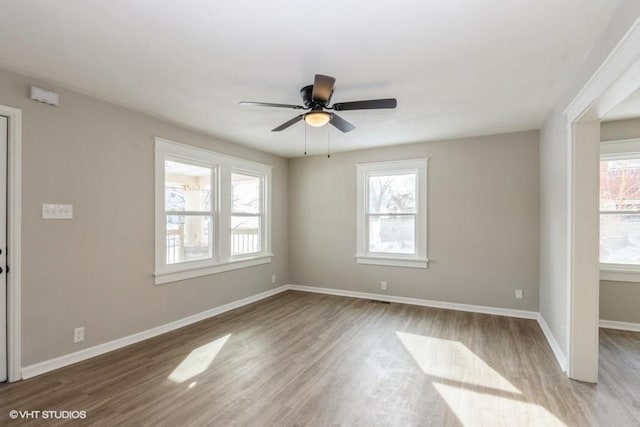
{"x":458,"y":67}
{"x":627,"y":109}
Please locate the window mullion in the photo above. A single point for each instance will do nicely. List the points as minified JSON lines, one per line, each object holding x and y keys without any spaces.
{"x":188,"y":213}
{"x":215,"y":217}
{"x":619,"y":212}
{"x":393,"y":214}
{"x":224,"y":220}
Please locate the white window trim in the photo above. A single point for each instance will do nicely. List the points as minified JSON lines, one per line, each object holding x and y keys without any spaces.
{"x":620,"y":272}
{"x":222,"y":259}
{"x":363,"y":256}
{"x":620,"y":150}
{"x":262,"y":215}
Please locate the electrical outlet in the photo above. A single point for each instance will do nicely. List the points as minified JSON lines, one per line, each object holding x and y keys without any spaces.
{"x":273,"y":278}
{"x":383,"y":285}
{"x":78,"y":334}
{"x":519,"y":294}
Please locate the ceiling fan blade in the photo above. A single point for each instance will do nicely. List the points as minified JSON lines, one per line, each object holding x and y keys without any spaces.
{"x":322,"y":87}
{"x":287,"y":124}
{"x":341,"y":123}
{"x":372,"y":104}
{"x":271,"y":104}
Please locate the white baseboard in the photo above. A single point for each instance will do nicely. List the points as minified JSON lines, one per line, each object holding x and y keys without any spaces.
{"x":523,"y":314}
{"x":623,"y":326}
{"x":87,"y":353}
{"x":555,"y":347}
{"x":78,"y":356}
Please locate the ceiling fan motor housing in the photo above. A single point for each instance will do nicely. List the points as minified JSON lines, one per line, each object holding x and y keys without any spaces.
{"x":309,"y":102}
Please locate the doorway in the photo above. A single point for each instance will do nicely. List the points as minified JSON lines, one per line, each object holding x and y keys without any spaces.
{"x":4,"y":139}
{"x":615,"y":80}
{"x":10,"y":242}
{"x":619,"y":346}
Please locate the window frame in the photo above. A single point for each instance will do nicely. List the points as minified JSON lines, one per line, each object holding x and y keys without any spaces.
{"x":222,"y":166}
{"x":212,"y":213}
{"x":396,"y":167}
{"x":619,"y":150}
{"x":260,"y":215}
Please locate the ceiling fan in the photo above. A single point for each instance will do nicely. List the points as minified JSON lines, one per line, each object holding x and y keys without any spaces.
{"x":316,"y":99}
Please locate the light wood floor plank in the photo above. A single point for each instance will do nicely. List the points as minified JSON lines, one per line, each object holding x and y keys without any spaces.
{"x":301,"y":359}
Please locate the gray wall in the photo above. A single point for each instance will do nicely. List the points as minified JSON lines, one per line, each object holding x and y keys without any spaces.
{"x":620,"y":301}
{"x":554,"y":180}
{"x":620,"y":129}
{"x":96,"y":270}
{"x":482,"y":222}
{"x":553,"y":228}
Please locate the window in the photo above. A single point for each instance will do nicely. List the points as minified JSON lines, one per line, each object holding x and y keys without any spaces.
{"x":620,"y":211}
{"x":212,"y":212}
{"x":188,"y":211}
{"x":246,"y":215}
{"x":392,"y":213}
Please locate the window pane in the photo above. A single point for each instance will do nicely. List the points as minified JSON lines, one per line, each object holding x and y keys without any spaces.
{"x":187,"y":187}
{"x":245,"y":194}
{"x":392,"y":193}
{"x":392,"y":234}
{"x":620,"y":185}
{"x":245,"y":234}
{"x":188,"y":238}
{"x":620,"y":239}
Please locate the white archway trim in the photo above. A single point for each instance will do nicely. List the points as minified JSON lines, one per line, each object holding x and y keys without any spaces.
{"x":615,"y":79}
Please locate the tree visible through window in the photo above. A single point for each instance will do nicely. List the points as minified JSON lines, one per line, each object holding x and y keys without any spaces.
{"x":392,"y":213}
{"x":620,"y":210}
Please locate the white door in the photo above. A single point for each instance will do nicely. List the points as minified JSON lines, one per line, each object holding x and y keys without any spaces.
{"x":3,"y":247}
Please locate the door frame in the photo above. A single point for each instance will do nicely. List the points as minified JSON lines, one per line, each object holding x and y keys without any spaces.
{"x":617,"y":78}
{"x":14,"y":241}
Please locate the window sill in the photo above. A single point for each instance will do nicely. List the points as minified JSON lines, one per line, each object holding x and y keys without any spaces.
{"x":619,"y":273}
{"x":188,"y":273}
{"x":391,"y":261}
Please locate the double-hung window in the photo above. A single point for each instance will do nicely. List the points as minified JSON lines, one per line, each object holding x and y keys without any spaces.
{"x":246,"y":213}
{"x":188,"y":211}
{"x":392,"y":213}
{"x":620,"y":211}
{"x":212,"y":212}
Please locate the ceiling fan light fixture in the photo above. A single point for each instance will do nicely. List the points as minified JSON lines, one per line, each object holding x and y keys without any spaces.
{"x":317,"y":118}
{"x":316,"y":98}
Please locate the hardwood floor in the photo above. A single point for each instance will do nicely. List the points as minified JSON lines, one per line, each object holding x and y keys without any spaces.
{"x":308,"y":359}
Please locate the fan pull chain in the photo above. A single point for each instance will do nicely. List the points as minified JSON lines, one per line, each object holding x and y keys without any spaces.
{"x":328,"y":143}
{"x":305,"y":138}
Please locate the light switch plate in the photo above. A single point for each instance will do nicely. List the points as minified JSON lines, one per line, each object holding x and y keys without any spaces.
{"x":53,"y":211}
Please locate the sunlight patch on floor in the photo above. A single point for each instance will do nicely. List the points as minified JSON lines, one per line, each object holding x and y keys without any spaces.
{"x":473,"y":407}
{"x":475,"y":392}
{"x":198,"y":360}
{"x":453,"y":361}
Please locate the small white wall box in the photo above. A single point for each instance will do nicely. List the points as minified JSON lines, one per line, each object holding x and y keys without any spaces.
{"x":52,"y":211}
{"x":43,"y":95}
